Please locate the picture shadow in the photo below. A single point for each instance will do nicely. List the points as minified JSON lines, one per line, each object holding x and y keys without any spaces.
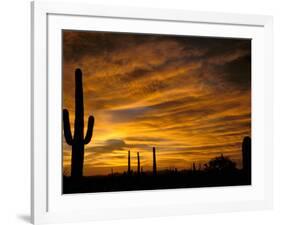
{"x":25,"y":218}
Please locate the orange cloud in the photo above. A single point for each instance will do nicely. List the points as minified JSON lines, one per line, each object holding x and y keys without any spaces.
{"x":190,"y":97}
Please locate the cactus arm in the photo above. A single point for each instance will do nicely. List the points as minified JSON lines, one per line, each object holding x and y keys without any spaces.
{"x":66,"y":127}
{"x":89,"y":133}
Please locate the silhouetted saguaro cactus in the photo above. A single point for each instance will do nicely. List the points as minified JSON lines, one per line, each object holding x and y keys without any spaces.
{"x":246,"y":153}
{"x":193,"y":167}
{"x":129,"y":162}
{"x":138,"y":155}
{"x":154,"y":161}
{"x":78,"y":141}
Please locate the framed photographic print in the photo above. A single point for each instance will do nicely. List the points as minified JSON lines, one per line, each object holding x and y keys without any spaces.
{"x":148,"y":112}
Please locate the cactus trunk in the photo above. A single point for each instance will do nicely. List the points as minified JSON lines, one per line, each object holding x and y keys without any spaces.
{"x":154,"y":162}
{"x":138,"y":154}
{"x":193,"y":167}
{"x":246,"y":156}
{"x":129,"y":162}
{"x":77,"y":141}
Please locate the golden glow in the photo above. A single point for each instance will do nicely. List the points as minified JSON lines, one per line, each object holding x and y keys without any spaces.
{"x":189,"y":97}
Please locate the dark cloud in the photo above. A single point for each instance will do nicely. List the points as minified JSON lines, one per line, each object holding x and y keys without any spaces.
{"x":238,"y":72}
{"x":109,"y":146}
{"x":212,"y":147}
{"x":146,"y":139}
{"x":79,"y":44}
{"x":112,"y":145}
{"x":127,"y":114}
{"x":232,"y":118}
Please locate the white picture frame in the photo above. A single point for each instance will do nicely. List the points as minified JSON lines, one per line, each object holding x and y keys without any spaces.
{"x":49,"y":205}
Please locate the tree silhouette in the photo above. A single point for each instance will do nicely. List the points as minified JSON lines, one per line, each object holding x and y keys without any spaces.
{"x":78,"y":141}
{"x":220,"y":164}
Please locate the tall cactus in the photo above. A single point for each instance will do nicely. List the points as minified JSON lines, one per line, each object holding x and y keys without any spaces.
{"x":129,"y":162}
{"x":154,"y":161}
{"x":246,"y":153}
{"x":78,"y":141}
{"x":193,"y":167}
{"x":138,"y":155}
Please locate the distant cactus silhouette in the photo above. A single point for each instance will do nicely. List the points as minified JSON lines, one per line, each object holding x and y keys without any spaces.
{"x":154,"y":162}
{"x":129,"y":162}
{"x":78,"y":141}
{"x":193,"y":167}
{"x":138,"y":155}
{"x":246,"y":152}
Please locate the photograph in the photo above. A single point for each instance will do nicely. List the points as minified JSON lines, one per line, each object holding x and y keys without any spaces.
{"x":144,"y":111}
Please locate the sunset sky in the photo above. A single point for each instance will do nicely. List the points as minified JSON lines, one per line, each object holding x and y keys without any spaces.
{"x":190,"y":97}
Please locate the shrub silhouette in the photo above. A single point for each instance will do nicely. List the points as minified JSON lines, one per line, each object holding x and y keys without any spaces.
{"x":220,"y":164}
{"x":78,"y":141}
